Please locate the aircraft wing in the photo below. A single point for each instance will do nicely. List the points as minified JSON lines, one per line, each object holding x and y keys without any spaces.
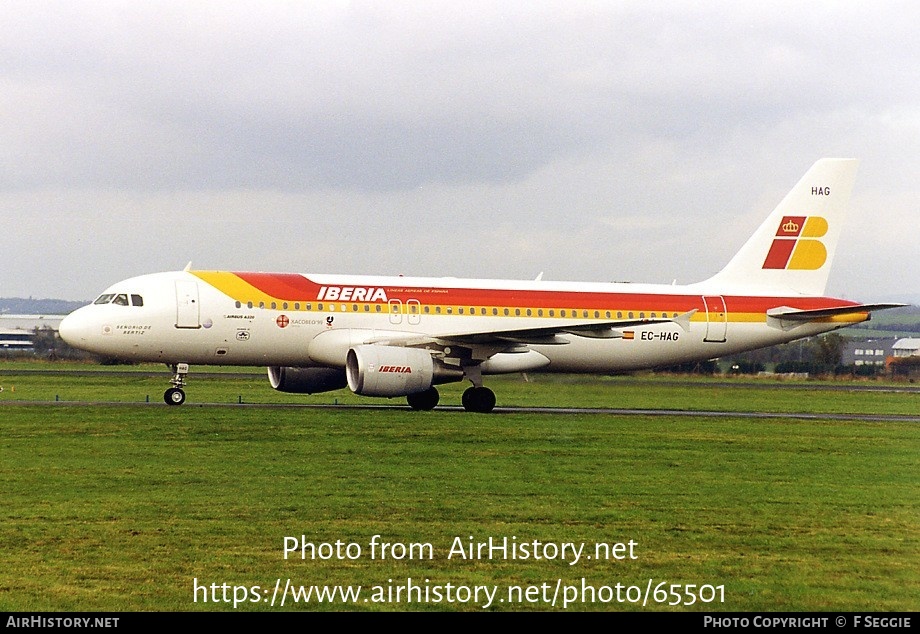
{"x":480,"y":345}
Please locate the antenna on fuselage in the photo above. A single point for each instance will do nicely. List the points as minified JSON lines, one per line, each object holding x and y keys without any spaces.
{"x":188,"y":267}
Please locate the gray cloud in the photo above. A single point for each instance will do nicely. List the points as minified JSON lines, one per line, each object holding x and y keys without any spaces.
{"x":483,"y":140}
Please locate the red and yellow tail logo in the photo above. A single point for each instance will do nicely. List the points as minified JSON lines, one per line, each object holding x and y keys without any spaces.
{"x":795,"y":248}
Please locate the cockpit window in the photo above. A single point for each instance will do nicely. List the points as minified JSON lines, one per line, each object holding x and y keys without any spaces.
{"x":120,"y":299}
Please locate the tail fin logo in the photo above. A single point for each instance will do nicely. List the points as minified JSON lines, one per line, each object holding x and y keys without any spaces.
{"x":795,"y":246}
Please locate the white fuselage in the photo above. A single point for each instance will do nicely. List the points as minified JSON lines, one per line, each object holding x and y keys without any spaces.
{"x":185,"y":318}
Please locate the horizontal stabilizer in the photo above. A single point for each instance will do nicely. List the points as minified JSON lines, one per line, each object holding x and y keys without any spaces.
{"x":797,"y":314}
{"x":786,"y":318}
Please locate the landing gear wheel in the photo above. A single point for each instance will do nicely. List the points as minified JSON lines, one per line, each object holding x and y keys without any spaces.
{"x":478,"y":399}
{"x":174,"y":396}
{"x":424,"y":401}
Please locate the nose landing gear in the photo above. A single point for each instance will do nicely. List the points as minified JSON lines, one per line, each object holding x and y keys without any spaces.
{"x":176,"y":395}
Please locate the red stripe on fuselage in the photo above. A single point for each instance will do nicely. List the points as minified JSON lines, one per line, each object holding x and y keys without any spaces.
{"x":283,"y":286}
{"x":297,"y":287}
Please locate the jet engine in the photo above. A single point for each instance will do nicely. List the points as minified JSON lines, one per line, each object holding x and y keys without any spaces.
{"x":306,"y":380}
{"x":389,"y":370}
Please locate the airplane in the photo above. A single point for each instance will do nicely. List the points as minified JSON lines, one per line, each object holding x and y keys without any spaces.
{"x":402,"y":336}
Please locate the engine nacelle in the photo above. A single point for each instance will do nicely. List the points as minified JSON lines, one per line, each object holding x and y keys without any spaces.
{"x":306,"y":380}
{"x":388,"y":370}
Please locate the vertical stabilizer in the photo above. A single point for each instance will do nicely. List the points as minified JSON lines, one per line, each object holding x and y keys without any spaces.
{"x":793,"y":249}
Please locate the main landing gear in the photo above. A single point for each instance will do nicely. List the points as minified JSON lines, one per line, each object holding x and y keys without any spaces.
{"x":424,"y":401}
{"x":475,"y":399}
{"x":176,"y":395}
{"x":478,"y":399}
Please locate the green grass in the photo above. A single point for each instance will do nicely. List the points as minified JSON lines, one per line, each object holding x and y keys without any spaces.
{"x":121,"y":507}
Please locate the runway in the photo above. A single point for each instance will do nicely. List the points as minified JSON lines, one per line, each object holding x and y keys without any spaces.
{"x":550,"y":411}
{"x":400,"y":405}
{"x":770,"y":384}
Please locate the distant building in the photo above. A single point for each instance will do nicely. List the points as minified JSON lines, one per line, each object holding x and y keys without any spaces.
{"x":30,"y":322}
{"x":16,"y":339}
{"x":907,"y":347}
{"x":867,"y":351}
{"x":17,"y":332}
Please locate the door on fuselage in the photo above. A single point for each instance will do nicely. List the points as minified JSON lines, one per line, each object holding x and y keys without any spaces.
{"x":716,"y":318}
{"x":188,"y":311}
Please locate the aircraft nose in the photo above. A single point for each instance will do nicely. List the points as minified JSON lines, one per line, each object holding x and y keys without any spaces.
{"x":74,"y":328}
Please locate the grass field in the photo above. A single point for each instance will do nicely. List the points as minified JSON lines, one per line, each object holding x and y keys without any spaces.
{"x":123,"y":507}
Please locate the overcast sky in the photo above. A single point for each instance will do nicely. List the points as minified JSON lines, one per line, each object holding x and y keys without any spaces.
{"x":598,"y":141}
